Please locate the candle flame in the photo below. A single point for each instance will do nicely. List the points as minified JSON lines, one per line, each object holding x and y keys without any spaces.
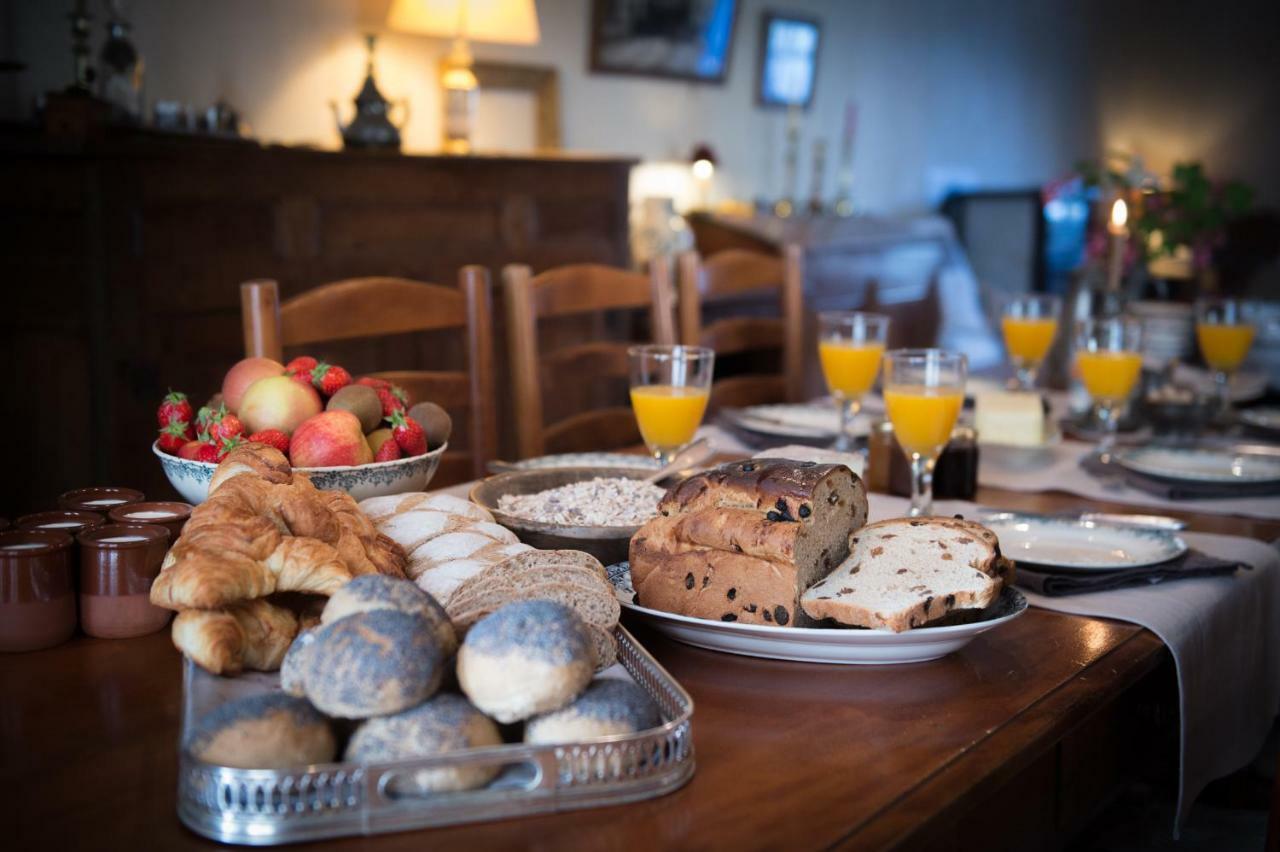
{"x":1119,"y":214}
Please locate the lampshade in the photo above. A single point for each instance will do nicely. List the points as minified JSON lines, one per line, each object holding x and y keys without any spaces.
{"x":498,"y":21}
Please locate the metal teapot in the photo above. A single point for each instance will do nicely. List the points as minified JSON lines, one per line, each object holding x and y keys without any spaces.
{"x":371,"y":126}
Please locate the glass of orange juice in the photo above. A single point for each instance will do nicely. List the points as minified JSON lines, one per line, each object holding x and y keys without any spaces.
{"x":1029,"y":324}
{"x":1109,"y":361}
{"x":923,"y":394}
{"x":1225,"y":334}
{"x":850,"y":346}
{"x":670,"y":386}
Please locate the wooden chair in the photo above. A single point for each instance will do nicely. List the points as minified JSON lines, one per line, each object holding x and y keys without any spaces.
{"x":372,"y":307}
{"x":566,"y":291}
{"x":733,"y":274}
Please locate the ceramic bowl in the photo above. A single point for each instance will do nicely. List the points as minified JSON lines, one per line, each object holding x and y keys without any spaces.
{"x":376,"y":479}
{"x":608,"y":544}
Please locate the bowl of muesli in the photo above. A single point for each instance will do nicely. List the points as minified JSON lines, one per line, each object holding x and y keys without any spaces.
{"x":596,"y":509}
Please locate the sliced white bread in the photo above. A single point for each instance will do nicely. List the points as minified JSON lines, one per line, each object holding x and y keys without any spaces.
{"x":442,"y":578}
{"x":908,"y":572}
{"x":380,"y":508}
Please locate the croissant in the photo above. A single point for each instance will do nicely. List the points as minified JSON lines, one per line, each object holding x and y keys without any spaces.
{"x":250,"y":635}
{"x":267,"y":462}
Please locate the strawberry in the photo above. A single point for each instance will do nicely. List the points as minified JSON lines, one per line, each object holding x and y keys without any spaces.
{"x":389,"y":451}
{"x":393,"y":399}
{"x":206,"y":452}
{"x":408,"y":434}
{"x":301,"y":364}
{"x":205,"y":418}
{"x":174,"y":436}
{"x":227,"y":427}
{"x":228,"y":445}
{"x":329,"y":378}
{"x":371,"y":382}
{"x":272,"y":438}
{"x":189,"y":449}
{"x":175,"y":406}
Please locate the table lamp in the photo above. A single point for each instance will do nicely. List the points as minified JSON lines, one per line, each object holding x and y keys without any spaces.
{"x":496,"y":21}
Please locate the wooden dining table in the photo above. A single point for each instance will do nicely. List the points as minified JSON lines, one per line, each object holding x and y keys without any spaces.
{"x":1016,"y":741}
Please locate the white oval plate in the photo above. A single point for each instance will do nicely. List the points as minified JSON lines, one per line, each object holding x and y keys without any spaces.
{"x":1244,"y":386}
{"x":849,"y":647}
{"x":1200,"y":465}
{"x":1263,"y":418}
{"x":1081,"y":545}
{"x":622,"y":460}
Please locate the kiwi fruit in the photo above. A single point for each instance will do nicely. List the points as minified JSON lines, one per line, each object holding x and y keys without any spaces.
{"x":361,"y":401}
{"x":377,"y":438}
{"x":434,"y":420}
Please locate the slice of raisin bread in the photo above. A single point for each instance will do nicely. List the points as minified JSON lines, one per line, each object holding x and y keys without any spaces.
{"x":908,"y":572}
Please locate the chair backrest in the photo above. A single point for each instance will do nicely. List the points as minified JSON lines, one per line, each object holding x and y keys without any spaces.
{"x":734,"y":274}
{"x":565,"y":291}
{"x":372,"y":307}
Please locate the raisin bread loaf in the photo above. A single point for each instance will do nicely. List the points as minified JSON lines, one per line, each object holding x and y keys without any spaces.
{"x":742,"y":542}
{"x":908,"y":572}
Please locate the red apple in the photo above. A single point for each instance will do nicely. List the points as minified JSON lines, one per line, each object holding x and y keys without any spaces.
{"x":277,"y":402}
{"x":330,"y":439}
{"x":243,"y":374}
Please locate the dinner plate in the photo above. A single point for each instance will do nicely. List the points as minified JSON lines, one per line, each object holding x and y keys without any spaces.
{"x":1217,"y":466}
{"x":1244,"y":386}
{"x":1262,"y":418}
{"x":1081,"y":545}
{"x":811,"y":421}
{"x":842,"y":646}
{"x":614,"y":460}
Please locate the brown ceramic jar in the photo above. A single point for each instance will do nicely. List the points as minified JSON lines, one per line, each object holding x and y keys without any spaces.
{"x":60,"y":520}
{"x":117,"y":564}
{"x":101,"y":498}
{"x":163,"y":513}
{"x":37,"y":599}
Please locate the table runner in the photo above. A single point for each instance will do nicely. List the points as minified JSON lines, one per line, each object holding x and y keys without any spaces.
{"x":1061,"y":473}
{"x":1223,"y":633}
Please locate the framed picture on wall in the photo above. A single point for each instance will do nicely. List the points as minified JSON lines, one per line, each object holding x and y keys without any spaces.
{"x":788,"y":60}
{"x":683,"y":39}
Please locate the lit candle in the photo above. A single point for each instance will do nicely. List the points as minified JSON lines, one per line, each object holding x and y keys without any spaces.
{"x":1119,"y":240}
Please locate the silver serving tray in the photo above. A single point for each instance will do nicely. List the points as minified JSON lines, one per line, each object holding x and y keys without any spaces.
{"x":264,"y":807}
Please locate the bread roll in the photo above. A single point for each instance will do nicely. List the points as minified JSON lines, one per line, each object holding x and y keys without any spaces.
{"x":372,"y":663}
{"x":607,"y":707}
{"x":266,"y":731}
{"x":375,"y":591}
{"x":293,"y":667}
{"x":443,"y":724}
{"x":528,"y":657}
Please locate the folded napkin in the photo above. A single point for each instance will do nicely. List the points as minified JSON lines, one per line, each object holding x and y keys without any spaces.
{"x":1180,"y":490}
{"x":1190,"y":564}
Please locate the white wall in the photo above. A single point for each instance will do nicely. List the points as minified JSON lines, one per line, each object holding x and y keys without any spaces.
{"x":991,"y":93}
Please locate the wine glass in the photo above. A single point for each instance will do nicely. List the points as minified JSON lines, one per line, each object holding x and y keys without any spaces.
{"x":1109,"y":360}
{"x":1029,"y":324}
{"x":1225,"y":334}
{"x":923,"y":394}
{"x":850,"y":346}
{"x":670,"y":386}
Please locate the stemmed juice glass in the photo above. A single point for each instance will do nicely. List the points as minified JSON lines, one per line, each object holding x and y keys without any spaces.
{"x":1225,"y":334}
{"x":923,"y":395}
{"x":850,"y":347}
{"x":670,"y":386}
{"x":1029,"y":324}
{"x":1109,"y":360}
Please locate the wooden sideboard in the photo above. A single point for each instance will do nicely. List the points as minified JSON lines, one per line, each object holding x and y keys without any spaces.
{"x":123,"y":255}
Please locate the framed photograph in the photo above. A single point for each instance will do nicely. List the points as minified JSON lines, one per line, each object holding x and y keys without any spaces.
{"x":788,"y":60}
{"x":682,"y":39}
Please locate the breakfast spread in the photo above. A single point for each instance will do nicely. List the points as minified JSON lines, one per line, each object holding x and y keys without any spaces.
{"x":313,"y":412}
{"x":598,"y":502}
{"x":743,"y":542}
